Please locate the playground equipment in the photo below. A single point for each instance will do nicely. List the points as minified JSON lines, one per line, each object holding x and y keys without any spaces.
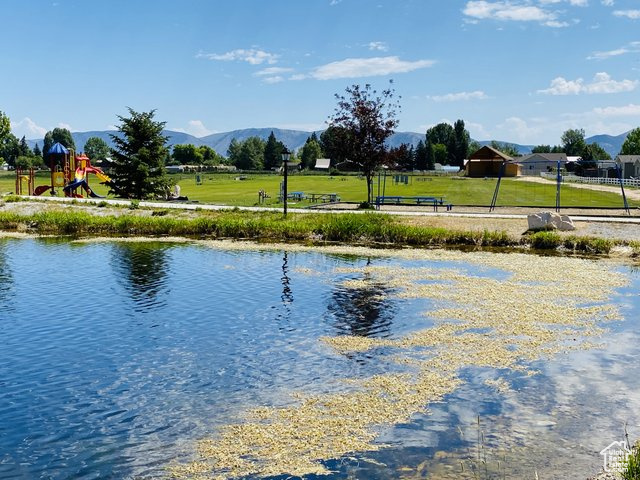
{"x":22,"y":177}
{"x":68,"y":171}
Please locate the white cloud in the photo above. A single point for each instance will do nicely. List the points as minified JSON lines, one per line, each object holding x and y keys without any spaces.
{"x":575,"y":3}
{"x":518,"y":129}
{"x":624,"y":111}
{"x":272,"y":71}
{"x":483,"y":10}
{"x":379,"y":46}
{"x":252,"y":56}
{"x":477,"y":130}
{"x":27,"y":128}
{"x":602,"y":83}
{"x":518,"y":11}
{"x":195,"y":128}
{"x":631,"y":47}
{"x":274,"y":79}
{"x":607,"y":3}
{"x":65,"y":125}
{"x":632,"y":14}
{"x":460,"y":96}
{"x":365,"y":67}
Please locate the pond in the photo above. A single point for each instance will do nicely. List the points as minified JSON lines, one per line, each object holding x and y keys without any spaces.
{"x":144,"y":360}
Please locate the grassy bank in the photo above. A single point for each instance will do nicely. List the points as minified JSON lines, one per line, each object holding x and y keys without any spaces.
{"x":228,"y":189}
{"x":271,"y":226}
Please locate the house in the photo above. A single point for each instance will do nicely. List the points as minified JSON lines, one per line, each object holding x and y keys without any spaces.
{"x":538,"y":163}
{"x":487,"y":162}
{"x":629,"y":165}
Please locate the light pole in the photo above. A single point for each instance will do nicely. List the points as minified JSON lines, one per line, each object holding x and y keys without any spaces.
{"x":285,"y":162}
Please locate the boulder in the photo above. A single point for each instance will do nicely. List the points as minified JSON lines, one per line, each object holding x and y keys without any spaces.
{"x":550,"y":221}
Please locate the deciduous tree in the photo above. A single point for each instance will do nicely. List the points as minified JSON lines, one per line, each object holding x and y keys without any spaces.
{"x":368,"y":118}
{"x":96,"y":149}
{"x":187,"y":155}
{"x":631,"y":145}
{"x":138,"y":157}
{"x":311,"y":152}
{"x":573,"y":142}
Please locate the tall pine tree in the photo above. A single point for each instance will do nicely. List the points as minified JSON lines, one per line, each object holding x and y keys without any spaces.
{"x":138,"y":157}
{"x":272,"y":153}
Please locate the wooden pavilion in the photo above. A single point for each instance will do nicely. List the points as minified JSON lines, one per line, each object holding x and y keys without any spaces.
{"x":488,"y":161}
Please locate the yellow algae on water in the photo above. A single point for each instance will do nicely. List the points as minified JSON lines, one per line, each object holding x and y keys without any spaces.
{"x":533,"y":308}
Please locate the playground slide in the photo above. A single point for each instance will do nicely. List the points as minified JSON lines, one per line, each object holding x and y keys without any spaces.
{"x":102,"y":176}
{"x":93,"y":194}
{"x":73,"y":185}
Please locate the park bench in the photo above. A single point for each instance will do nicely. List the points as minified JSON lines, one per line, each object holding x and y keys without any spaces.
{"x":323,"y":197}
{"x":417,"y":200}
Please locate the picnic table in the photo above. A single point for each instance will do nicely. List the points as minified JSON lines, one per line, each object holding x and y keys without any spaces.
{"x":418,"y":200}
{"x":323,"y":197}
{"x":298,"y":196}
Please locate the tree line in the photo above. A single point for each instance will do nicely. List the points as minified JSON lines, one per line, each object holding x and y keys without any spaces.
{"x":356,"y":139}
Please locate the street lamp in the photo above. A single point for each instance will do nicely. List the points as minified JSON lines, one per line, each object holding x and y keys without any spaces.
{"x":286,"y":154}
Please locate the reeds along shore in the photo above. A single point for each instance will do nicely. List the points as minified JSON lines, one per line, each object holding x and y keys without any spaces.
{"x":384,"y":230}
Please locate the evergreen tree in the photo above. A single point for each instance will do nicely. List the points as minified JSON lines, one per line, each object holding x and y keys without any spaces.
{"x":272,"y":153}
{"x":233,"y":152}
{"x":138,"y":157}
{"x":25,"y":151}
{"x":36,"y":151}
{"x":461,"y":140}
{"x":421,"y":157}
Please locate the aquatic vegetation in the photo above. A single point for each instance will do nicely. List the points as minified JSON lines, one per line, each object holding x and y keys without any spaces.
{"x":536,"y":308}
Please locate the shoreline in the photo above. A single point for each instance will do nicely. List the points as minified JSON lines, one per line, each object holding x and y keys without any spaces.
{"x":22,"y":216}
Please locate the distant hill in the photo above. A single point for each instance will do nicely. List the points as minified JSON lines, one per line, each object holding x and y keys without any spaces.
{"x":294,"y":139}
{"x":611,"y":144}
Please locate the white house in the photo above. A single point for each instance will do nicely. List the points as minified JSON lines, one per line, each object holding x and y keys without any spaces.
{"x":537,"y":163}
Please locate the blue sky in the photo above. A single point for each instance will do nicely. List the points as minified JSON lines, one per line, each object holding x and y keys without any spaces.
{"x":514,"y":70}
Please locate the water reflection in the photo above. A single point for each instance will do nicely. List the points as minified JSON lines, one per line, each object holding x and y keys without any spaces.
{"x":6,"y":279}
{"x":363,"y":310}
{"x":143,"y":267}
{"x":287,"y":294}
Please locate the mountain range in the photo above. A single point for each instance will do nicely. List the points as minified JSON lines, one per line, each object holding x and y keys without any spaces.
{"x":295,"y":139}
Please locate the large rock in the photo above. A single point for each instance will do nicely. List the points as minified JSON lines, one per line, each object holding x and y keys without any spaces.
{"x":550,"y":221}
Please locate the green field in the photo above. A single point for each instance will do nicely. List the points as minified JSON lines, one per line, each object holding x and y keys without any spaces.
{"x":228,"y":189}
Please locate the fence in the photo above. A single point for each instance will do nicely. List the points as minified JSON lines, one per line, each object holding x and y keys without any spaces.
{"x":627,"y":182}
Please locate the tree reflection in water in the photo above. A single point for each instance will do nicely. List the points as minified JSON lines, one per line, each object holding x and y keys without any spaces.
{"x":364,"y":311}
{"x":143,"y":272}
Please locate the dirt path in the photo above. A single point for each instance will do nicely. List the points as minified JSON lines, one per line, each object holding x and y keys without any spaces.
{"x":631,"y":193}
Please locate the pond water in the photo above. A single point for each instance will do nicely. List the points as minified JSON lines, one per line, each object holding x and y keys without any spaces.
{"x":117,"y":358}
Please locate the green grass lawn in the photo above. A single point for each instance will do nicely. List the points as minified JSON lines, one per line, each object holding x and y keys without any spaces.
{"x":225,"y":189}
